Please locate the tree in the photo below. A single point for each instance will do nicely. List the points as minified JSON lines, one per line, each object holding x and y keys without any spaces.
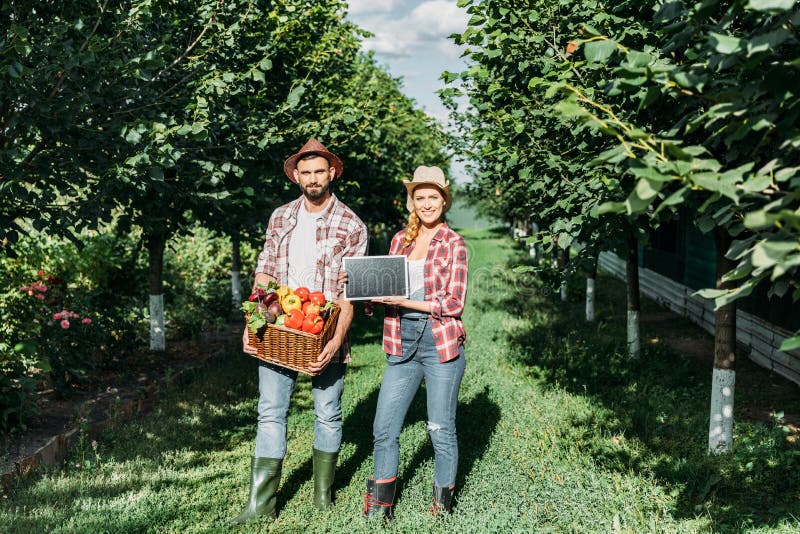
{"x":168,"y":114}
{"x":728,"y":150}
{"x":535,"y":161}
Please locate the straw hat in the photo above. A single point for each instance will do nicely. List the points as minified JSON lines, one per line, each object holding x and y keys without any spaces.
{"x":313,"y":147}
{"x":428,"y":176}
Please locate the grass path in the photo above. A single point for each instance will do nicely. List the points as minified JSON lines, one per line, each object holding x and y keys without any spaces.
{"x":558,"y":432}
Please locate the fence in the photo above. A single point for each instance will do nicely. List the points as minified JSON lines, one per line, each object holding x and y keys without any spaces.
{"x":759,"y":336}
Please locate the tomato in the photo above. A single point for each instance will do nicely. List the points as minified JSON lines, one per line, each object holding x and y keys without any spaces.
{"x":317,"y":297}
{"x":313,"y":324}
{"x":294,"y":319}
{"x":309,"y":308}
{"x":302,"y":292}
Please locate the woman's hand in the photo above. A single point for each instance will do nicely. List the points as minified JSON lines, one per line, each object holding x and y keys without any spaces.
{"x":418,"y":305}
{"x":392,"y":301}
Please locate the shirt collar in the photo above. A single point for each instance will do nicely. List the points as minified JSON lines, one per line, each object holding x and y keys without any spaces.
{"x":439,"y":235}
{"x":324,"y":214}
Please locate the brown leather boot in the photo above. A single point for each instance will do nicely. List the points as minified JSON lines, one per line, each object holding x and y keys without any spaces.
{"x":379,"y":498}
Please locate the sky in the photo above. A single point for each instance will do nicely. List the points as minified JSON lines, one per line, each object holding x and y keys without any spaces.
{"x":411,"y":41}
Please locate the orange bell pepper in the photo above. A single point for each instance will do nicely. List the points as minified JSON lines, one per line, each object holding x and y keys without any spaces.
{"x":294,"y":319}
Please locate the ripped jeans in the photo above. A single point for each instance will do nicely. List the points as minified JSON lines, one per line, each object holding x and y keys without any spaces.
{"x":401,"y":380}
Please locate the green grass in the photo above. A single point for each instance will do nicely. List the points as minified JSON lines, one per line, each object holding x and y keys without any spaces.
{"x":558,"y":432}
{"x":461,"y":215}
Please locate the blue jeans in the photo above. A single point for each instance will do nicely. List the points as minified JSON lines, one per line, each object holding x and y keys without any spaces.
{"x":401,"y":380}
{"x":275,"y":386}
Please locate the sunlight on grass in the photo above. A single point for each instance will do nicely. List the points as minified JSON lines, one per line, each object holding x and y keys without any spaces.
{"x":558,"y":431}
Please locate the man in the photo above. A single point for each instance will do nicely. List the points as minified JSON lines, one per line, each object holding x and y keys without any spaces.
{"x":306,"y":240}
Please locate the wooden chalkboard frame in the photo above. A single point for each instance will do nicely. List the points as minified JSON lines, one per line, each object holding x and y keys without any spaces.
{"x":371,"y":277}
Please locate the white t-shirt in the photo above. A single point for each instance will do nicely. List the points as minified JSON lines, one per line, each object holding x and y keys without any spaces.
{"x":416,"y":279}
{"x":303,"y":248}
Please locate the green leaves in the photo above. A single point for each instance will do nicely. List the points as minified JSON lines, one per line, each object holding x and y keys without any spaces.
{"x":770,"y":6}
{"x":642,"y":195}
{"x":724,"y":44}
{"x":661,"y":115}
{"x":792,"y":343}
{"x":293,"y":99}
{"x":599,"y":50}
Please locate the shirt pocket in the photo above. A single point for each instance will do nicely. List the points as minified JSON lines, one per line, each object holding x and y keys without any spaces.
{"x":337,"y":242}
{"x":441,"y":273}
{"x":334,"y":251}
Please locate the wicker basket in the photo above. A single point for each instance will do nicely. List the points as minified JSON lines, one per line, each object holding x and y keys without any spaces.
{"x":291,"y":348}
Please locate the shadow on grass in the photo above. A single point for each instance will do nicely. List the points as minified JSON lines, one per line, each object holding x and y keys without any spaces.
{"x":659,"y":400}
{"x":356,"y":429}
{"x":213,"y":411}
{"x":473,"y":440}
{"x":356,"y":426}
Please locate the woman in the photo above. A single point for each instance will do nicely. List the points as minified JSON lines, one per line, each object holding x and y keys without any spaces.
{"x":423,"y":338}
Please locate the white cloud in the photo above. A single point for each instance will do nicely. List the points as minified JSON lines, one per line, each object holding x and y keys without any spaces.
{"x":360,"y":7}
{"x":427,"y":25}
{"x":438,"y":18}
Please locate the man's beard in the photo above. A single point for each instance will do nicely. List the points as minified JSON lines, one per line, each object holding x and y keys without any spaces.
{"x":319,"y":193}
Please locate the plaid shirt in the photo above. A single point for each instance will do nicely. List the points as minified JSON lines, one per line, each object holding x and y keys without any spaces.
{"x":340,"y":233}
{"x":445,"y":287}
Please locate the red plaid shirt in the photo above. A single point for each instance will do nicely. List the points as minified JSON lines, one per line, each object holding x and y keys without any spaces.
{"x":445,"y":287}
{"x":340,"y":233}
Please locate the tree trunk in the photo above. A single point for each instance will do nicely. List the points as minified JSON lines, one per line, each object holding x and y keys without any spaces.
{"x":720,"y":428}
{"x":634,"y":307}
{"x":156,"y":243}
{"x":590,"y":281}
{"x":534,"y":249}
{"x":564,"y":261}
{"x":236,"y":268}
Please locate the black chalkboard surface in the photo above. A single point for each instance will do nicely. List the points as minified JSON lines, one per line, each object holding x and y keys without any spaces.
{"x":370,"y":277}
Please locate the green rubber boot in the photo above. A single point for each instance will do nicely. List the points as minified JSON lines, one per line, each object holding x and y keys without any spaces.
{"x":324,"y":468}
{"x":265,"y":476}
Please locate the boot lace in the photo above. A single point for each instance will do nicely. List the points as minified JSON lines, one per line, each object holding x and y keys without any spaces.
{"x":373,"y":503}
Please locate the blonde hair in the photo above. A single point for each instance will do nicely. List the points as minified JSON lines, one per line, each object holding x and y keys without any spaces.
{"x":412,"y":229}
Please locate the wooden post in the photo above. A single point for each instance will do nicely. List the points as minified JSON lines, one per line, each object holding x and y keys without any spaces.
{"x":720,"y":427}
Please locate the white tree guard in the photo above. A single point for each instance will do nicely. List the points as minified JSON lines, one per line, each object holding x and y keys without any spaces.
{"x":236,"y":290}
{"x":590,"y":299}
{"x":563,"y":290}
{"x":720,"y":427}
{"x":634,"y":341}
{"x":157,"y":341}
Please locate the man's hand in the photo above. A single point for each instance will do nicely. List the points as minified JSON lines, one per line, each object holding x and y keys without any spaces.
{"x":327,"y":354}
{"x":246,"y":346}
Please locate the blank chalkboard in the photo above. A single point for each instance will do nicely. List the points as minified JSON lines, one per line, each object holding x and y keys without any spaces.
{"x":370,"y":277}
